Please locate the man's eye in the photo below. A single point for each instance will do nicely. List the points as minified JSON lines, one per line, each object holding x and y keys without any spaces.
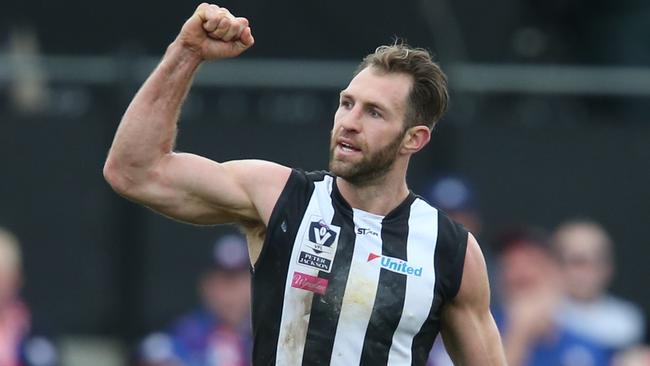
{"x":374,"y":114}
{"x":346,"y":103}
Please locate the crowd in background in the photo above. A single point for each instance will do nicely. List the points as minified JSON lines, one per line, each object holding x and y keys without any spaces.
{"x":550,"y":300}
{"x":550,"y":291}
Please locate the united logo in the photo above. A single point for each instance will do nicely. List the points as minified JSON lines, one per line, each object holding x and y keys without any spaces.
{"x":396,"y":265}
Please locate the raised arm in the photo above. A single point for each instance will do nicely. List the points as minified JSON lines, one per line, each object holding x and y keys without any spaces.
{"x":141,"y":163}
{"x":468,"y":329}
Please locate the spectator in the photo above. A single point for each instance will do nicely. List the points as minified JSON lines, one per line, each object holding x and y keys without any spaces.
{"x":218,"y":333}
{"x":585,"y":252}
{"x":531,"y":294}
{"x":18,"y":346}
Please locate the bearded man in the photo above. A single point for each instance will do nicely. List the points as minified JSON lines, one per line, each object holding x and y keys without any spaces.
{"x":349,"y":266}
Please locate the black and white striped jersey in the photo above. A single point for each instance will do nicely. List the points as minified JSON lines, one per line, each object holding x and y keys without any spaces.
{"x":335,"y":285}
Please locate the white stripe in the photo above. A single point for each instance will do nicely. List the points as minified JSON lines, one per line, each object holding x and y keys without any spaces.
{"x":360,"y":291}
{"x":418,"y":299}
{"x":297,"y":302}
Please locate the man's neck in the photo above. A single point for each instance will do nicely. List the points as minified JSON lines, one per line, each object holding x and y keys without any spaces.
{"x":379,"y":197}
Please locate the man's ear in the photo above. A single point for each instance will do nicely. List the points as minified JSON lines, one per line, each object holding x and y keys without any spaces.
{"x":415,"y":139}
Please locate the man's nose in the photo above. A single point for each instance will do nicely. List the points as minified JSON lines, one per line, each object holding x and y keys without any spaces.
{"x":351,"y":121}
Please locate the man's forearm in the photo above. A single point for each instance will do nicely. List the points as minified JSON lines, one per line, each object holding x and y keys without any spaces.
{"x":148,"y":128}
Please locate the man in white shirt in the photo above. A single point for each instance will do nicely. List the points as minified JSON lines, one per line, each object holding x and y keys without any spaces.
{"x":585,"y":252}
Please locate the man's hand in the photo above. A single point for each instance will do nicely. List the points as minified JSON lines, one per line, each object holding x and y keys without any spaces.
{"x":213,"y":32}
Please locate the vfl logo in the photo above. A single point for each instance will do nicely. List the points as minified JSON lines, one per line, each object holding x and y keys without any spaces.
{"x":318,"y":246}
{"x":321,"y":235}
{"x":396,"y":265}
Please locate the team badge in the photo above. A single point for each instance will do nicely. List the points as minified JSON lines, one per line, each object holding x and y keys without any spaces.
{"x":318,"y":246}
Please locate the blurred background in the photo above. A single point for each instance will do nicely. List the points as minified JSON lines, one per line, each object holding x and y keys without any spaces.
{"x":548,"y":123}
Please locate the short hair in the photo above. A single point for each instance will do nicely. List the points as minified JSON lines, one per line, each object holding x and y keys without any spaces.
{"x":428,"y":97}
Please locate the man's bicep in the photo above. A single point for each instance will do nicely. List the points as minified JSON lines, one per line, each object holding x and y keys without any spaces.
{"x":195,"y":189}
{"x":468,"y":329}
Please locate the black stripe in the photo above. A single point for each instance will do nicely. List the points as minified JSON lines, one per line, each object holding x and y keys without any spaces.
{"x":450,"y":255}
{"x":448,"y":259}
{"x":391,"y":290}
{"x":326,"y":309}
{"x":423,"y":341}
{"x":270,"y":272}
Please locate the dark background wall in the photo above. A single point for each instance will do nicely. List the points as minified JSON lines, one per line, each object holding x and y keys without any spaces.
{"x":572,"y":31}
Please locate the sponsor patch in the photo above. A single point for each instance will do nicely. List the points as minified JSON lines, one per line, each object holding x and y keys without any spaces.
{"x":318,"y":246}
{"x":366,"y":231}
{"x":396,"y":265}
{"x":310,"y":283}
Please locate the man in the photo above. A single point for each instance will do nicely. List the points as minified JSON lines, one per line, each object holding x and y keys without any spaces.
{"x":218,"y":332}
{"x":349,"y":266}
{"x":585,"y":252}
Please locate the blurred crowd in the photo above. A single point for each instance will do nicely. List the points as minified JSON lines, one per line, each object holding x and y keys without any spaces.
{"x":550,"y":300}
{"x":218,"y":331}
{"x":550,"y":291}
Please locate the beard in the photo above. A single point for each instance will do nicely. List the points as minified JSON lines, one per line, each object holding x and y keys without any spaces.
{"x":370,"y":168}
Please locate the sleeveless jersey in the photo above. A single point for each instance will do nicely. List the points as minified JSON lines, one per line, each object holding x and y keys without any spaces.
{"x":335,"y":285}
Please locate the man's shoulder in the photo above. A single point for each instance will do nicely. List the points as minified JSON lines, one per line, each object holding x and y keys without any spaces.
{"x":444,"y":219}
{"x":301,"y":180}
{"x":450,"y":233}
{"x":312,"y":175}
{"x":440,"y":212}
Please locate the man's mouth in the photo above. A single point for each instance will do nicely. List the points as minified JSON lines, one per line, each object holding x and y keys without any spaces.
{"x":347,"y":147}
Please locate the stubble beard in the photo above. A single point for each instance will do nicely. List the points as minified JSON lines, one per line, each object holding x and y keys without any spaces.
{"x":371,"y":168}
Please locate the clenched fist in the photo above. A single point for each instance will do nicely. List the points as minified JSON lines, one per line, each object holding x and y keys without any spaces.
{"x":213,"y":32}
